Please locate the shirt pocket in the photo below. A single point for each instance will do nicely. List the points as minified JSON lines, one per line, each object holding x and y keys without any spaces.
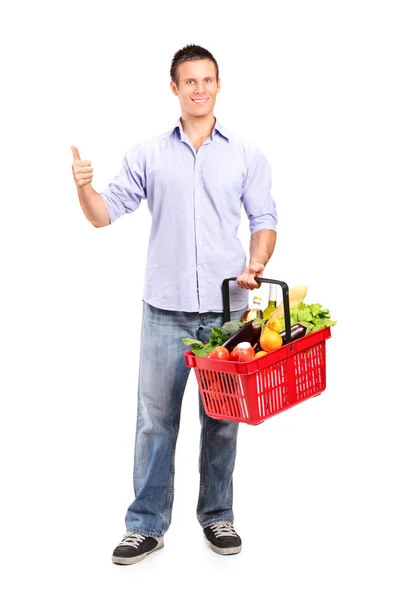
{"x":226,"y":177}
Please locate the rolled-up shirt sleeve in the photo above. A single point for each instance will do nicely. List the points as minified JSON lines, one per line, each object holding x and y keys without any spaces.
{"x":124,"y":194}
{"x":256,"y":197}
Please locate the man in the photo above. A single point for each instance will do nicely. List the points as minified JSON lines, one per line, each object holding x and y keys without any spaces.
{"x":195,"y":179}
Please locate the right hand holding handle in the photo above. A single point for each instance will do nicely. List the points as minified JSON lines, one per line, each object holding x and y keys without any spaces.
{"x":81,"y":169}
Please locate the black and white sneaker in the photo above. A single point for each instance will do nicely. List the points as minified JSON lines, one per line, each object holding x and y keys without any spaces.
{"x":223,"y":538}
{"x":135,"y":547}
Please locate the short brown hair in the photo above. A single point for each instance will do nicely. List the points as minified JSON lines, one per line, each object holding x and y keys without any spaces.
{"x":190,"y":52}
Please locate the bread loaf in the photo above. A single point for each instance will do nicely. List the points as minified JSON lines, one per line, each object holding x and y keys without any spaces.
{"x":296,"y":296}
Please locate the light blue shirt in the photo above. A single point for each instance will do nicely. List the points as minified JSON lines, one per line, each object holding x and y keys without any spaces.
{"x":195,"y":201}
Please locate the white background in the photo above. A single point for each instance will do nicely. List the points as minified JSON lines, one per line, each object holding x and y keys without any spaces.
{"x":316,"y":498}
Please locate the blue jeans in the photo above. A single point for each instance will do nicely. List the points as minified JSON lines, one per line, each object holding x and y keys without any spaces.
{"x":163,"y":375}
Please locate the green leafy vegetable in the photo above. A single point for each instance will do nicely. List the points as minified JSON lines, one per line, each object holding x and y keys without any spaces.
{"x":312,"y":316}
{"x":217,"y":337}
{"x":204,"y":351}
{"x":197,"y":347}
{"x":195,"y":344}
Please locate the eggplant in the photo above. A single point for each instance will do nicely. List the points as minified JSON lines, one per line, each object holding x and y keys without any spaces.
{"x":247,"y":333}
{"x":297,"y":331}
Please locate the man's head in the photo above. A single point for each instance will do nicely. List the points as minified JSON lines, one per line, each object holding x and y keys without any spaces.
{"x":195,"y":76}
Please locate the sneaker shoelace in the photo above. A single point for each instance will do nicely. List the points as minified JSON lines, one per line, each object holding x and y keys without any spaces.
{"x":132,"y":539}
{"x":223,"y":529}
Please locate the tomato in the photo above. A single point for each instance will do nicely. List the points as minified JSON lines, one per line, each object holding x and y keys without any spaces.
{"x":234,"y":354}
{"x":243,"y":352}
{"x":219,"y":352}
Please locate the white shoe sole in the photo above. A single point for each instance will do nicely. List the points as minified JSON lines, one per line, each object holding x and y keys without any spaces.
{"x":118,"y":560}
{"x":225,"y":551}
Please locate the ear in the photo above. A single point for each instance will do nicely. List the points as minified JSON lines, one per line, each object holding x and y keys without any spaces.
{"x":174,"y":88}
{"x":219,"y":86}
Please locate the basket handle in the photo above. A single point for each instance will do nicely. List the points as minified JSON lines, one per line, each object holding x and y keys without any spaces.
{"x":285,"y":298}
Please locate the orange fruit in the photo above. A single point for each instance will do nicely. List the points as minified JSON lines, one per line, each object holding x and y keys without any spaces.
{"x":270,"y":340}
{"x":259,"y":353}
{"x":275,"y":325}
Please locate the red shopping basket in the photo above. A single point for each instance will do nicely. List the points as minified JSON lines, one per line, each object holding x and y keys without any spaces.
{"x":251,"y":392}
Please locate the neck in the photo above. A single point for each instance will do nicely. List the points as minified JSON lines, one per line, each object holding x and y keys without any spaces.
{"x":198,"y":127}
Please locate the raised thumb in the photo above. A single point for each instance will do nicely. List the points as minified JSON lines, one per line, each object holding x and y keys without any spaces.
{"x":75,"y":153}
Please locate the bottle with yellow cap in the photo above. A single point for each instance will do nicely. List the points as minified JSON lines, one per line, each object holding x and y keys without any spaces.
{"x":254,"y":312}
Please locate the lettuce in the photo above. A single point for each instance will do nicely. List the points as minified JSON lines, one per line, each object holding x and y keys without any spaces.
{"x":312,"y":316}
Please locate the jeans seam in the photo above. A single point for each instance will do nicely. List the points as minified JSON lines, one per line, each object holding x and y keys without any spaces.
{"x":138,"y":421}
{"x":201,"y":485}
{"x":167,"y":511}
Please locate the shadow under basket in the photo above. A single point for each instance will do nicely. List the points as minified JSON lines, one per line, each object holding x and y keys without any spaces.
{"x":251,"y":392}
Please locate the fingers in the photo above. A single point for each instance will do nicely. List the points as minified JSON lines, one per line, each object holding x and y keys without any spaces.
{"x":82,"y":169}
{"x":240,"y":280}
{"x":250,"y":284}
{"x":244,"y":281}
{"x":81,"y":180}
{"x":255,"y":270}
{"x":247,"y":282}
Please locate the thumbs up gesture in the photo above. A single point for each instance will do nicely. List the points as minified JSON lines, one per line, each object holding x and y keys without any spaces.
{"x":81,"y":169}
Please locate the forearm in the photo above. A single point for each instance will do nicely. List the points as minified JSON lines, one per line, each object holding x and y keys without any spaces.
{"x":262,"y":245}
{"x":93,"y":206}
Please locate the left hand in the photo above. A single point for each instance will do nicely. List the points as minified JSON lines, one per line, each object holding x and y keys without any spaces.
{"x":246,"y":279}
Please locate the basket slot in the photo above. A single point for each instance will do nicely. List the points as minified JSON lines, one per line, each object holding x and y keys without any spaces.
{"x":309,"y":368}
{"x":262,"y":398}
{"x":222,"y":394}
{"x":225,"y":400}
{"x":241,"y":399}
{"x":215,"y":395}
{"x":228,"y":393}
{"x":272,"y":389}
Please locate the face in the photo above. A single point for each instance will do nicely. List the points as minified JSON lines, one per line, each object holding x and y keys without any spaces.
{"x":197,"y":80}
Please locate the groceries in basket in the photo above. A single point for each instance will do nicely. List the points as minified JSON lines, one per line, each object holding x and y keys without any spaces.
{"x":263,"y":335}
{"x":228,"y":336}
{"x":250,"y":372}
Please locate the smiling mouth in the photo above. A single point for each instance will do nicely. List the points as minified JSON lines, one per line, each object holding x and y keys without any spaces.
{"x":200,"y":100}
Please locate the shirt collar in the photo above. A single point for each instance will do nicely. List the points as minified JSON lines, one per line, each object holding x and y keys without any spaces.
{"x":217,"y":129}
